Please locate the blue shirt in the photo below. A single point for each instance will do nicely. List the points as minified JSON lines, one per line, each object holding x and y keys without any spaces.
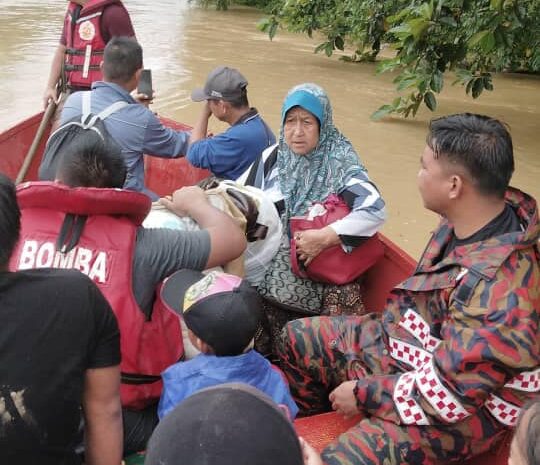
{"x":230,"y":153}
{"x":185,"y":378}
{"x":135,"y":128}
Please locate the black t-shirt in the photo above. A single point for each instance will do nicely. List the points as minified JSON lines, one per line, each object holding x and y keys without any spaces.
{"x":506,"y":222}
{"x":55,"y":325}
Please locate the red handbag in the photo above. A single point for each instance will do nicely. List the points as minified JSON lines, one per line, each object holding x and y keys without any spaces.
{"x":333,"y":265}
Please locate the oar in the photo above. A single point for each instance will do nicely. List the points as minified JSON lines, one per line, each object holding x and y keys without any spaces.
{"x":49,"y":112}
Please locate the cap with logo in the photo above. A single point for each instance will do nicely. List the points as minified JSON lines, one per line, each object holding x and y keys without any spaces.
{"x":222,"y":83}
{"x":221,"y":309}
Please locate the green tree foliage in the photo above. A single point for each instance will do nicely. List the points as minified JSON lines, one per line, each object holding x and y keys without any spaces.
{"x":473,"y":38}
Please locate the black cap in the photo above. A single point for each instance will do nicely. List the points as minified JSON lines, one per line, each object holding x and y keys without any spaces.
{"x":221,"y":309}
{"x":230,"y":424}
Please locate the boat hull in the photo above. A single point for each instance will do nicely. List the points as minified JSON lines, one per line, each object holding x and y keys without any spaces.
{"x":164,"y":176}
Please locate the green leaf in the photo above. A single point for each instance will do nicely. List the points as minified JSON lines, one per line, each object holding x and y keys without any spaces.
{"x":496,"y":4}
{"x":488,"y":83}
{"x":401,"y":32}
{"x":426,"y":10}
{"x":329,"y":49}
{"x":339,"y":43}
{"x":477,"y":88}
{"x":320,"y":47}
{"x":383,"y":111}
{"x":430,"y":100}
{"x":487,"y":43}
{"x":477,"y":38}
{"x":407,"y":82}
{"x":417,"y":26}
{"x":437,"y":81}
{"x":387,"y":65}
{"x":263,"y":24}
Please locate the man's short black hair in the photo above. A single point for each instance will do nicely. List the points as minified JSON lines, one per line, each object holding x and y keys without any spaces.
{"x":241,"y":101}
{"x":478,"y":143}
{"x":123,"y":56}
{"x":10,"y":220}
{"x":89,"y":161}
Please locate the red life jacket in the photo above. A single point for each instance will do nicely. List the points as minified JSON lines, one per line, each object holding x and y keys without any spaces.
{"x":85,"y":43}
{"x":94,"y":231}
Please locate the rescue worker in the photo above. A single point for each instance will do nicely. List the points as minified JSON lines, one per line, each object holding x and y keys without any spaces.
{"x":88,"y":27}
{"x":442,"y":373}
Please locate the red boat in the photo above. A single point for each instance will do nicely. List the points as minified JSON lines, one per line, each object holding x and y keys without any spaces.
{"x":163,"y":176}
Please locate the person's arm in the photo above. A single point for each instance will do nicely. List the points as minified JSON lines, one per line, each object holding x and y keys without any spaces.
{"x":162,"y":141}
{"x":115,"y":22}
{"x":201,"y":126}
{"x":368,"y":210}
{"x":227,"y":240}
{"x":103,"y":416}
{"x":50,"y":93}
{"x":367,"y":215}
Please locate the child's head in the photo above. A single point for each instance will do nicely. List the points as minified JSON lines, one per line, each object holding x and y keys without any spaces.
{"x":221,"y":310}
{"x":525,"y":448}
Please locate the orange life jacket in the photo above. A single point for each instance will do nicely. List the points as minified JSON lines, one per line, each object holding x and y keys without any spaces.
{"x":84,"y":42}
{"x":94,"y":231}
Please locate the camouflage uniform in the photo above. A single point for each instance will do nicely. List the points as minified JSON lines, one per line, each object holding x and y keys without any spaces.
{"x":443,"y":370}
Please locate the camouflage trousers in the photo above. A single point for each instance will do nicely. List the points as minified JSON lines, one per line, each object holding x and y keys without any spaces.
{"x":318,"y":354}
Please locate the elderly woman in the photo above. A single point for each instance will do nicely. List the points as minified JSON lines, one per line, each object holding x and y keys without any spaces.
{"x":311,"y":161}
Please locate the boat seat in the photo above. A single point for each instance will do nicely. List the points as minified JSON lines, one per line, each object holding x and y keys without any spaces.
{"x":320,"y":430}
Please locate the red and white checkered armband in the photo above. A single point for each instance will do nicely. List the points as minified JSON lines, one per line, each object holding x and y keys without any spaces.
{"x":528,"y":381}
{"x":425,"y":381}
{"x":409,"y":410}
{"x":438,"y":396}
{"x":503,"y":411}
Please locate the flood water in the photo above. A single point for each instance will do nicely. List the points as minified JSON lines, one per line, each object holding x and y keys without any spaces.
{"x":182,"y":43}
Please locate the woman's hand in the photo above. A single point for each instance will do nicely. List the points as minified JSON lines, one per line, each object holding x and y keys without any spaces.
{"x":343,"y":399}
{"x":312,"y":242}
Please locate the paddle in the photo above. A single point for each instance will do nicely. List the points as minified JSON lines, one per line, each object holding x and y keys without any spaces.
{"x":49,"y":112}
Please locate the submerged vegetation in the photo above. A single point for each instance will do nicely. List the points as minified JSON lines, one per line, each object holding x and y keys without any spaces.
{"x":472,"y":38}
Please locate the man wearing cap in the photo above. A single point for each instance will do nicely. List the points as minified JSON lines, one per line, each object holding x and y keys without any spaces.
{"x":222,"y":313}
{"x":230,"y":153}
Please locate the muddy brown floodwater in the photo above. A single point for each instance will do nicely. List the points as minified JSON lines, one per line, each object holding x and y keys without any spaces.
{"x":182,"y":43}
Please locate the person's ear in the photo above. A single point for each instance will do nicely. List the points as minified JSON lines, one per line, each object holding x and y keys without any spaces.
{"x":456,"y":186}
{"x":224,"y":107}
{"x":138,"y":75}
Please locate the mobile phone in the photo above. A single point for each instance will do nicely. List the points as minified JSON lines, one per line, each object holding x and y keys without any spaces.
{"x":145,"y":83}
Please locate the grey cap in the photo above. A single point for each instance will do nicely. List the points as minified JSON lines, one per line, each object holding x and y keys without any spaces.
{"x":222,"y":83}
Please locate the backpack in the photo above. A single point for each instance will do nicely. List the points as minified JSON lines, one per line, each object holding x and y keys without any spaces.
{"x":62,"y":138}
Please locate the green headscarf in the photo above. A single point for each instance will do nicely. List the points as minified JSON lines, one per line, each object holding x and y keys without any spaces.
{"x":309,"y":178}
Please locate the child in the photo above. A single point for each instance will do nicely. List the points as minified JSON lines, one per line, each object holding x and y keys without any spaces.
{"x":525,"y":448}
{"x":222,"y":313}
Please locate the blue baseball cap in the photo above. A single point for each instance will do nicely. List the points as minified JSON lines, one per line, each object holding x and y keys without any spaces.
{"x":307,"y":101}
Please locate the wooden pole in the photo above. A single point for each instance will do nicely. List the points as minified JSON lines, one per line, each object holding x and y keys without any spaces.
{"x":49,"y":112}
